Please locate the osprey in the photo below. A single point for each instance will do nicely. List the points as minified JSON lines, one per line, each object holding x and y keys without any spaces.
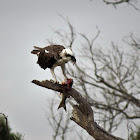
{"x":53,"y":56}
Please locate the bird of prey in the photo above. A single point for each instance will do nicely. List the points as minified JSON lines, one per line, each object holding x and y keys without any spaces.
{"x":53,"y":56}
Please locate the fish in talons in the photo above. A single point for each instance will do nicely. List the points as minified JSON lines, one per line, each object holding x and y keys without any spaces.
{"x":68,"y":83}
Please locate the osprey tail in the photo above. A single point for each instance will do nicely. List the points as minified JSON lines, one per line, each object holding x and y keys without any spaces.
{"x":36,"y":50}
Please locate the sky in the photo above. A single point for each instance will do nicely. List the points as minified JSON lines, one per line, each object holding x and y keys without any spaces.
{"x":28,"y":23}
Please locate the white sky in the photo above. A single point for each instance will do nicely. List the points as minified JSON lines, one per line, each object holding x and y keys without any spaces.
{"x":25,"y":23}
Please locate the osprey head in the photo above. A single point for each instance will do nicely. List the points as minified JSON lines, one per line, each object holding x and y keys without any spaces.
{"x":68,"y":53}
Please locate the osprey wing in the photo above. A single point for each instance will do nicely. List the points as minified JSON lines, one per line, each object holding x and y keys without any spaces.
{"x":47,"y":56}
{"x":55,"y":50}
{"x":46,"y":59}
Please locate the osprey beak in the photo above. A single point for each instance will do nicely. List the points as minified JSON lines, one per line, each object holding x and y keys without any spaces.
{"x":73,"y":59}
{"x":74,"y":63}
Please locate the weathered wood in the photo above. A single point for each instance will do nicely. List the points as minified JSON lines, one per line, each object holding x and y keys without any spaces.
{"x":82,"y":113}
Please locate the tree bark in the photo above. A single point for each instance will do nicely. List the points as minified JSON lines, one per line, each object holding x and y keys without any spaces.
{"x":82,"y":113}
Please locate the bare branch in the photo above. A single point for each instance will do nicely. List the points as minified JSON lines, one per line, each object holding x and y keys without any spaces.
{"x":115,"y":2}
{"x":68,"y":38}
{"x":82,"y":113}
{"x":118,"y":2}
{"x":114,"y":76}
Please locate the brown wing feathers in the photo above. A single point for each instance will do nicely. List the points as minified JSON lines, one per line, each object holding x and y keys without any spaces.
{"x":46,"y":60}
{"x":51,"y":48}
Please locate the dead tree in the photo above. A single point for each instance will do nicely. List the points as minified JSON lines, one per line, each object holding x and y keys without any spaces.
{"x":109,"y":82}
{"x":114,"y":76}
{"x":82,"y":112}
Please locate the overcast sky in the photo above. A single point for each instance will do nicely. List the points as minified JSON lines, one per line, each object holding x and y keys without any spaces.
{"x":25,"y":23}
